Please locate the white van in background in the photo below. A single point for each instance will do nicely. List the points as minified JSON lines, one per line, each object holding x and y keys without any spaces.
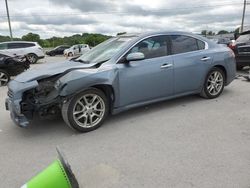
{"x":77,"y":49}
{"x":32,"y":50}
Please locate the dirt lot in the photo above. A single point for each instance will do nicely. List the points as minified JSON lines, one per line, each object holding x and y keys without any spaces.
{"x":186,"y":142}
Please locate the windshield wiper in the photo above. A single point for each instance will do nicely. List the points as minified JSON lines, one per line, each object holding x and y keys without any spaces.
{"x":98,"y":64}
{"x":103,"y":61}
{"x":79,"y":60}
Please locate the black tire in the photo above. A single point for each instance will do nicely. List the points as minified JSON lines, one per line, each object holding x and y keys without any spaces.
{"x":69,"y":108}
{"x":239,"y":67}
{"x":32,"y":58}
{"x":70,"y":54}
{"x":205,"y":92}
{"x":4,"y":78}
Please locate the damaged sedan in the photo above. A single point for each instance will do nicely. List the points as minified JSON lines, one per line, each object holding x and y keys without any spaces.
{"x":121,"y":73}
{"x":11,"y":66}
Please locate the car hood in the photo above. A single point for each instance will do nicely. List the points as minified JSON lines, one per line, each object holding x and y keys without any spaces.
{"x":45,"y":71}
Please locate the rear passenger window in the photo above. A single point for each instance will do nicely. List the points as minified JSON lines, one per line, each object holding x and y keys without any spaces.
{"x":14,"y":45}
{"x":183,"y":44}
{"x":26,"y":45}
{"x":201,"y":44}
{"x":20,"y":45}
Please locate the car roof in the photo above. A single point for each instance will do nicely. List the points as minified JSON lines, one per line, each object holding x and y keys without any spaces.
{"x":148,"y":34}
{"x":64,"y":45}
{"x":157,"y":33}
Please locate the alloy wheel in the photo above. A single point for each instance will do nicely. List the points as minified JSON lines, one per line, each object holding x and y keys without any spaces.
{"x":89,"y":110}
{"x":4,"y":79}
{"x":32,"y":58}
{"x":215,"y":83}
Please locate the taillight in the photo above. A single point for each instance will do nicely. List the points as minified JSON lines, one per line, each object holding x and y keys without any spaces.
{"x":232,"y":53}
{"x":232,"y":46}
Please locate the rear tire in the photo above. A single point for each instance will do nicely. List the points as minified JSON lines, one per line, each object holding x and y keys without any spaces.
{"x":4,"y":78}
{"x":214,"y":83}
{"x":86,"y":111}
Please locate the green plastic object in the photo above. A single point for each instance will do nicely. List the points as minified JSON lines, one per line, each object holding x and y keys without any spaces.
{"x":54,"y":176}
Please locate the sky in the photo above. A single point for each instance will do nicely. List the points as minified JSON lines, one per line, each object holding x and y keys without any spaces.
{"x":67,"y":17}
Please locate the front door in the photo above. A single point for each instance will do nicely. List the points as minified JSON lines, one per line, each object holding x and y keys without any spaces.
{"x":148,"y":79}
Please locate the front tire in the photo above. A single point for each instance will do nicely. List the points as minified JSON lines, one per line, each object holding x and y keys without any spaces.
{"x":214,"y":83}
{"x":4,"y":78}
{"x":32,"y":58}
{"x":86,"y":111}
{"x":70,"y":54}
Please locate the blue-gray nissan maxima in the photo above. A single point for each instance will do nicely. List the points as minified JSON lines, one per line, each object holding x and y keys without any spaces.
{"x":121,"y":73}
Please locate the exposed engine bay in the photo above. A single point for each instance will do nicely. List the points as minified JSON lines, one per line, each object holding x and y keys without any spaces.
{"x":43,"y":99}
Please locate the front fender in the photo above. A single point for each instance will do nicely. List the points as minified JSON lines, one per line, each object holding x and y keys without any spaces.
{"x":79,"y":80}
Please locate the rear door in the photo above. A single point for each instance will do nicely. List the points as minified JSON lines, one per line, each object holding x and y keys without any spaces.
{"x":191,"y":62}
{"x":77,"y":49}
{"x":17,"y":48}
{"x":147,"y":79}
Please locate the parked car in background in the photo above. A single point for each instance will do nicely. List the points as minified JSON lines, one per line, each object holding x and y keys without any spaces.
{"x":77,"y":49}
{"x":241,"y":48}
{"x":59,"y":50}
{"x":11,"y":66}
{"x":121,"y":73}
{"x":225,"y":41}
{"x":32,"y":50}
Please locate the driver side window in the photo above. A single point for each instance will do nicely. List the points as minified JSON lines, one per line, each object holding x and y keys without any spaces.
{"x":152,"y":47}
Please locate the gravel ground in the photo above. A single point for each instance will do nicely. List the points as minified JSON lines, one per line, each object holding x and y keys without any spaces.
{"x":186,"y":142}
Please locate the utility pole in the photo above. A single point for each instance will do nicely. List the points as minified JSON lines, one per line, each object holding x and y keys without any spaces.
{"x":243,"y":16}
{"x":8,"y":16}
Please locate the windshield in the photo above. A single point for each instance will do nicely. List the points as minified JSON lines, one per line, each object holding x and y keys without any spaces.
{"x":104,"y":51}
{"x":243,"y":38}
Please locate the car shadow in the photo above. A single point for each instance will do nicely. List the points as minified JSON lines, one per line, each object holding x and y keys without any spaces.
{"x":167,"y":105}
{"x":56,"y":126}
{"x":52,"y":127}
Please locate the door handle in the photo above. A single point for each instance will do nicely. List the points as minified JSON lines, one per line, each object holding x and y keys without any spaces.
{"x":205,"y":58}
{"x":164,"y":66}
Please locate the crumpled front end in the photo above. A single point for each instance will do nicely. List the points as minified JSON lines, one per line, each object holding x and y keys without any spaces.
{"x":13,"y":101}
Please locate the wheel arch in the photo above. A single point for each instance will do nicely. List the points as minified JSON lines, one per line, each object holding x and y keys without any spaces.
{"x":32,"y":53}
{"x":109,"y":92}
{"x":223,"y":69}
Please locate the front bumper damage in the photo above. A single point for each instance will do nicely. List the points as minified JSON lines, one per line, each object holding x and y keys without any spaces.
{"x":13,"y":101}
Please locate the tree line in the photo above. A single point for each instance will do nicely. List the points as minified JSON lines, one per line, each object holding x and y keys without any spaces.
{"x":210,"y":33}
{"x":92,"y":39}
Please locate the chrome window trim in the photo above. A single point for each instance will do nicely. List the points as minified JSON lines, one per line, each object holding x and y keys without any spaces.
{"x":155,"y":35}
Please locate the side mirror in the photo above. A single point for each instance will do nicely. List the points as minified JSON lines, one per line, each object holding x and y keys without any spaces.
{"x":135,"y":56}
